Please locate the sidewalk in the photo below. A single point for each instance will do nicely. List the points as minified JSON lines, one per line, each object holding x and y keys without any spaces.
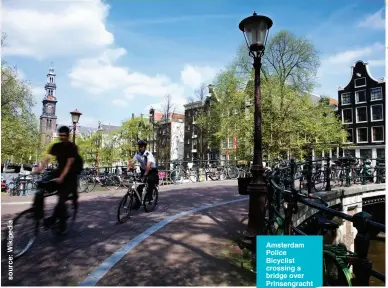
{"x":190,"y":251}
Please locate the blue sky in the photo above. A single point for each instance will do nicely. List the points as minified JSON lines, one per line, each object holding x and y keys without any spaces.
{"x":115,"y":58}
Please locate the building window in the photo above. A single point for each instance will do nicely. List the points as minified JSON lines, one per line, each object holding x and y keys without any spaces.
{"x":349,"y":139}
{"x":334,"y":153}
{"x":351,"y":153}
{"x":361,"y":114}
{"x":376,"y":112}
{"x":378,"y":134}
{"x":380,"y":153}
{"x":347,"y":116}
{"x":360,"y":96}
{"x":360,"y":82}
{"x":365,"y":153}
{"x":376,"y":94}
{"x":345,"y":99}
{"x":362,"y":135}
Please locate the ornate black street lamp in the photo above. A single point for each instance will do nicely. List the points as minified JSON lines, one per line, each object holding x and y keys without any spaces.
{"x":75,"y":115}
{"x":256,"y":29}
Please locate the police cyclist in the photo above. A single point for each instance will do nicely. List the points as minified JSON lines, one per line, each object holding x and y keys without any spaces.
{"x":148,"y":169}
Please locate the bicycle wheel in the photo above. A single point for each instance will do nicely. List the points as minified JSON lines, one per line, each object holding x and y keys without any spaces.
{"x":20,"y":234}
{"x":82,"y":185}
{"x":11,"y":189}
{"x":233,"y":172}
{"x":91,"y":184}
{"x":125,"y":208}
{"x":149,"y":206}
{"x":192,"y":176}
{"x":176,"y":177}
{"x":335,"y":271}
{"x":319,"y":182}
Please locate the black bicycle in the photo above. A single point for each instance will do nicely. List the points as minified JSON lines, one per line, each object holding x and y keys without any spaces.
{"x":128,"y":200}
{"x":22,"y":231}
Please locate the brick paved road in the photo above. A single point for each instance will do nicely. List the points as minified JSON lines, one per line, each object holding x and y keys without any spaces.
{"x":97,"y":236}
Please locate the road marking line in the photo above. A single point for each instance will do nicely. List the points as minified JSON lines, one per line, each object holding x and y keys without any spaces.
{"x":101,"y":270}
{"x":15,"y":203}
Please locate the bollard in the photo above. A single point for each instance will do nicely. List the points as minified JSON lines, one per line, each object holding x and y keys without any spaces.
{"x":328,"y":174}
{"x":362,"y":267}
{"x":309,"y":174}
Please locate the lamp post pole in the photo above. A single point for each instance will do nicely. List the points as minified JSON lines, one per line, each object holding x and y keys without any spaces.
{"x":152,"y":121}
{"x":255,"y":29}
{"x":75,"y":115}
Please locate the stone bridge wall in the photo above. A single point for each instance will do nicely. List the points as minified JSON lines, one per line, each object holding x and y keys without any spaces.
{"x":350,"y":200}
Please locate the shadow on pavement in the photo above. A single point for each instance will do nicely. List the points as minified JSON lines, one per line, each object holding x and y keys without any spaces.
{"x":187,"y":252}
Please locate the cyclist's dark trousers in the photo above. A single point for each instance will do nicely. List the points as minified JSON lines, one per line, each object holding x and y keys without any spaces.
{"x":152,"y":180}
{"x":66,"y":188}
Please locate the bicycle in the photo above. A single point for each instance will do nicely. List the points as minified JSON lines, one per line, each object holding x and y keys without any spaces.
{"x":127,"y":201}
{"x":33,"y":218}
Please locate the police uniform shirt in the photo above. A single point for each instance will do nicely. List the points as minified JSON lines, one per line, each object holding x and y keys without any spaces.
{"x":142,"y":159}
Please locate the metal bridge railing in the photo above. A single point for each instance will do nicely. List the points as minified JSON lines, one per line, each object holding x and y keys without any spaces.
{"x":283,"y":195}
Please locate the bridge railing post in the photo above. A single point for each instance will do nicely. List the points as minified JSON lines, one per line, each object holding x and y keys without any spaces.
{"x":197,"y":169}
{"x":328,"y":174}
{"x":24,"y":185}
{"x":347,"y":170}
{"x":309,"y":174}
{"x":362,"y":267}
{"x":364,"y":172}
{"x":293,"y":172}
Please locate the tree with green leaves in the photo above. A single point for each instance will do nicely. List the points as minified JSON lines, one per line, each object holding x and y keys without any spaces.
{"x":290,"y":119}
{"x":19,"y":127}
{"x":124,"y":141}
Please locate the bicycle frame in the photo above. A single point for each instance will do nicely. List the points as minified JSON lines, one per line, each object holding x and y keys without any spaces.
{"x":134,"y":189}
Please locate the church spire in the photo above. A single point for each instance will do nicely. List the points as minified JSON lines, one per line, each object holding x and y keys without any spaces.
{"x":50,"y":86}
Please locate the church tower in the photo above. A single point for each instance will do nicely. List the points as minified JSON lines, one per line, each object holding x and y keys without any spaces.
{"x":48,"y":119}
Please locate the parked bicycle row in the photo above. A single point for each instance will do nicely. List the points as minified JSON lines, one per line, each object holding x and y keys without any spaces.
{"x":318,"y":176}
{"x":324,"y":173}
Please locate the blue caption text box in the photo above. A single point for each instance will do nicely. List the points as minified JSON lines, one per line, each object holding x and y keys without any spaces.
{"x":289,"y":261}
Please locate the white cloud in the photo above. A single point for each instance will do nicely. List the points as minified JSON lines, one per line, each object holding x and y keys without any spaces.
{"x":120,"y":103}
{"x":194,"y":76}
{"x":335,"y":69}
{"x":84,"y":121}
{"x":101,"y":75}
{"x":377,"y":63}
{"x":38,"y":93}
{"x":374,"y":21}
{"x":43,"y":29}
{"x":341,"y":62}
